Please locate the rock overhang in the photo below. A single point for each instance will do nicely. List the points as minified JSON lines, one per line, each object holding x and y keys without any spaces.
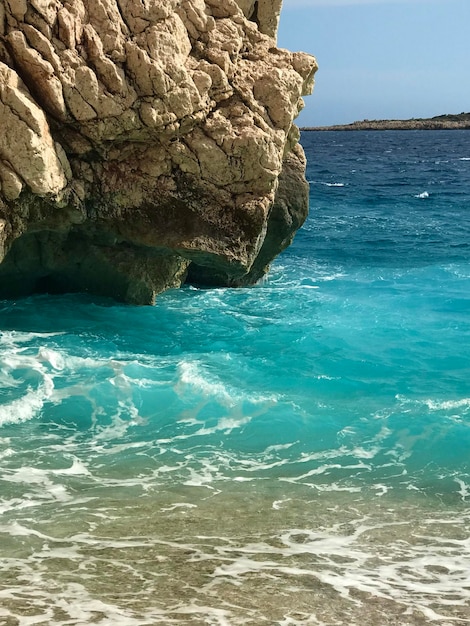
{"x":149,"y":137}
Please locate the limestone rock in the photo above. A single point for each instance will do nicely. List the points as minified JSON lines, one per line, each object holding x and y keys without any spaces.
{"x":146,"y":143}
{"x":265,"y":13}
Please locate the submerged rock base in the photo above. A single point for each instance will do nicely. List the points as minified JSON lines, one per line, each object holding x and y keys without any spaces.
{"x":144,"y":144}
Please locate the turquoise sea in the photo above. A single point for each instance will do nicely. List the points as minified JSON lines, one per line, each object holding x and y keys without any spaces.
{"x":296,"y":453}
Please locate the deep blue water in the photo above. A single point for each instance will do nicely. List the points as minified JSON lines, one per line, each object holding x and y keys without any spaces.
{"x":293,"y":453}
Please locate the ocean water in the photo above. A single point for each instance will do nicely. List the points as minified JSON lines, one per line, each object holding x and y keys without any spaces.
{"x":296,"y":453}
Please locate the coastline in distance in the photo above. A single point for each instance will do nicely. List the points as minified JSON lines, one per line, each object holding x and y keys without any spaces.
{"x":458,"y":121}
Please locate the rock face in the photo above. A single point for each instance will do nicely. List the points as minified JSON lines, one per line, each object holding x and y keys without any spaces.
{"x":144,"y":143}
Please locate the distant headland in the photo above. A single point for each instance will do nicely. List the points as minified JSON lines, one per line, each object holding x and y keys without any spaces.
{"x":459,"y":121}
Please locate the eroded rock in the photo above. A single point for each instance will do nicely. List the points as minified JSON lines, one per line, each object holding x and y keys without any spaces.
{"x":144,"y":142}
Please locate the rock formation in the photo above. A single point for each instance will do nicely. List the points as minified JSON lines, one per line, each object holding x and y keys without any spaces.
{"x":146,"y":142}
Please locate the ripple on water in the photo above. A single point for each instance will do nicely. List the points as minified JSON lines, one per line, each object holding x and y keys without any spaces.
{"x":240,"y":554}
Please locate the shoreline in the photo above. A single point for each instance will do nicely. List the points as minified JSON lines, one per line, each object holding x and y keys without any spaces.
{"x":440,"y":122}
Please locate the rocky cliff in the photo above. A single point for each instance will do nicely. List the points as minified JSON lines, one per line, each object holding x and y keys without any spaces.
{"x":146,"y":142}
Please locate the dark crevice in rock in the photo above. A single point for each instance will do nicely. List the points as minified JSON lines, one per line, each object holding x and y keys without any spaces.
{"x":254,"y":16}
{"x":48,"y":262}
{"x":51,"y":262}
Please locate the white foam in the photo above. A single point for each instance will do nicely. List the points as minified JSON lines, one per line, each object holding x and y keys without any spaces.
{"x":277,"y":504}
{"x":202,"y":477}
{"x":190,"y":375}
{"x":424,"y":194}
{"x":212,"y":616}
{"x":13,"y":337}
{"x":416,"y":572}
{"x":28,"y":406}
{"x":43,"y":363}
{"x":444,"y":405}
{"x":35,"y":476}
{"x":362,"y":453}
{"x":126,"y":415}
{"x":407,"y":566}
{"x":330,"y":277}
{"x":279,"y":446}
{"x":302,"y":619}
{"x":464,"y":490}
{"x":179,"y":505}
{"x":381,"y":489}
{"x":78,"y":468}
{"x":333,"y":184}
{"x":52,"y":357}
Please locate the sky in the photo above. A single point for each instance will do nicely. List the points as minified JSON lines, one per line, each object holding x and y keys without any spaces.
{"x":381,"y":59}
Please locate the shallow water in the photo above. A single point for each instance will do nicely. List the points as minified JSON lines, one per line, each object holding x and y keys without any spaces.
{"x":294,"y":453}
